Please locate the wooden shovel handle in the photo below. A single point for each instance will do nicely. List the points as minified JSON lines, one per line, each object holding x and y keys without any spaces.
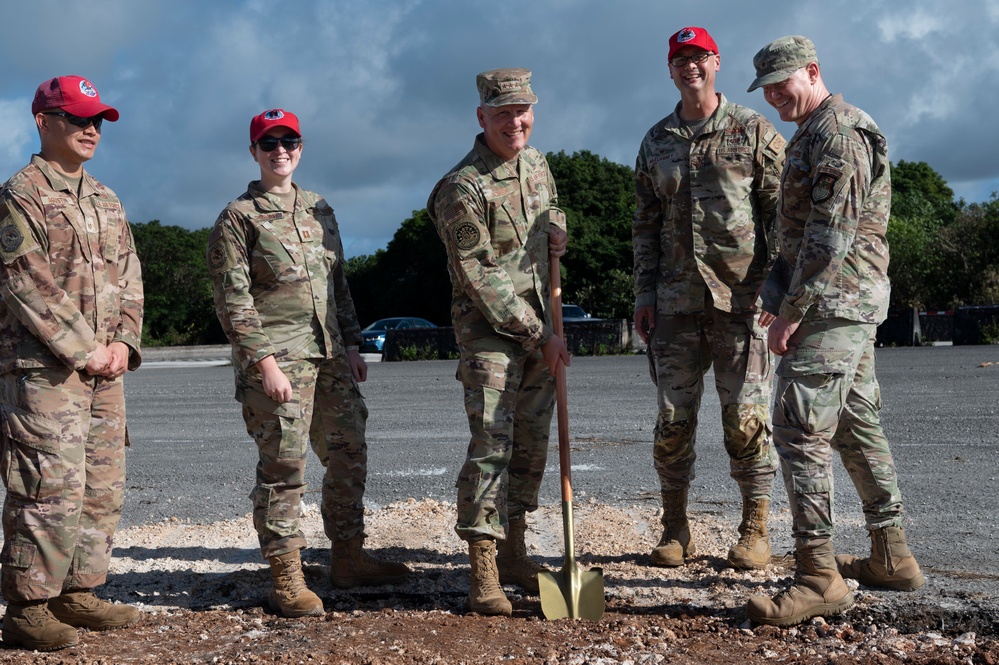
{"x":565,"y":468}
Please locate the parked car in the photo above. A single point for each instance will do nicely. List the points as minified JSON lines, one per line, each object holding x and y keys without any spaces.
{"x":373,"y":337}
{"x":575,"y":313}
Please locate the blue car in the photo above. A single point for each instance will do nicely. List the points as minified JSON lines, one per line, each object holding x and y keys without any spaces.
{"x":373,"y":337}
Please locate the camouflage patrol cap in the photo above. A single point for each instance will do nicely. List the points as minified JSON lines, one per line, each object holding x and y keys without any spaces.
{"x":782,"y":57}
{"x":500,"y":87}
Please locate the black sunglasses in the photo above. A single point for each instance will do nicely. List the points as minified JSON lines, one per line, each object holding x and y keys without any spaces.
{"x":270,"y":143}
{"x":79,"y":121}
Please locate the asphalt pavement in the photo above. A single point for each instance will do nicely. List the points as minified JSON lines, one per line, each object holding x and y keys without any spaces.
{"x":191,"y":458}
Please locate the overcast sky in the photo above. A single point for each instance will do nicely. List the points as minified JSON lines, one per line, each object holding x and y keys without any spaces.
{"x":385,"y":89}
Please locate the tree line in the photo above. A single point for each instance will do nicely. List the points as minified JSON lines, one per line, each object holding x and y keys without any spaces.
{"x":944,"y":253}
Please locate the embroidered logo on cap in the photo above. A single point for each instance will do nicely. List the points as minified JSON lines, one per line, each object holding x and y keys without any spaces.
{"x":685,"y":36}
{"x":87,"y":89}
{"x":276,"y":114}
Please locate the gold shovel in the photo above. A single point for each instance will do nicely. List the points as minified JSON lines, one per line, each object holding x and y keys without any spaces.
{"x":571,"y":592}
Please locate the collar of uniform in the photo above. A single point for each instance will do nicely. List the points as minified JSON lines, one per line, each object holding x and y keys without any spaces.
{"x":815,"y":116}
{"x":497,"y":167}
{"x":57,"y":180}
{"x":718,"y":119}
{"x":264,"y":202}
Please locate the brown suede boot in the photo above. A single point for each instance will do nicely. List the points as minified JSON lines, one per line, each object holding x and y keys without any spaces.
{"x":81,"y":608}
{"x":351,"y":565}
{"x":676,"y":543}
{"x":485,"y":595}
{"x":753,"y":548}
{"x":515,"y":567}
{"x":31,"y":626}
{"x":290,"y":596}
{"x":891,"y":564}
{"x":818,"y":590}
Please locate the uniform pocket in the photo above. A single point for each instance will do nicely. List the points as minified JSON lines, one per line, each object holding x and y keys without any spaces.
{"x":30,"y":453}
{"x":251,"y":393}
{"x":759,"y":362}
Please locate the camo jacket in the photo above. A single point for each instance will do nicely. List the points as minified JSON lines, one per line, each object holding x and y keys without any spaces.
{"x":705,"y":211}
{"x":833,"y":218}
{"x":69,"y":275}
{"x":494,"y":218}
{"x":279,"y":281}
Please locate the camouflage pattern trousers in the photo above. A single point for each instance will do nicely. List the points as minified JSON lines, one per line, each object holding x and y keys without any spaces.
{"x":62,"y":456}
{"x":509,"y":395}
{"x":327,"y":411}
{"x":683,"y":347}
{"x":828,"y":399}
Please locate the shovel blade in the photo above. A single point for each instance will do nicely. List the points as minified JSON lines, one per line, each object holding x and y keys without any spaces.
{"x":572,"y":593}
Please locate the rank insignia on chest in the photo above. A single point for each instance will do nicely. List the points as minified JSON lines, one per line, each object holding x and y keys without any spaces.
{"x":305,"y":233}
{"x":465,"y":235}
{"x":823,"y":189}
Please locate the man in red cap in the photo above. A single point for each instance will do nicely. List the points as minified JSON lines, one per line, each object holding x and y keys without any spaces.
{"x":71,"y":313}
{"x":706,"y":188}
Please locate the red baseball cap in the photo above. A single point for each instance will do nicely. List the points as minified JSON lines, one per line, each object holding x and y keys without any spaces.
{"x":691,"y":36}
{"x":72,"y":94}
{"x":268,"y":120}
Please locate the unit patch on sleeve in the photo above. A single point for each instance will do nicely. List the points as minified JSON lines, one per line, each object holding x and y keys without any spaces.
{"x":15,"y":238}
{"x":824,"y":188}
{"x":465,"y":235}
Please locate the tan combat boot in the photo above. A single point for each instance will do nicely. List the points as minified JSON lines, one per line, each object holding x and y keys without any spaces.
{"x":31,"y":626}
{"x":676,"y":543}
{"x":891,"y":564}
{"x":81,"y":608}
{"x":818,"y":590}
{"x":351,"y":565}
{"x":753,"y":548}
{"x":515,"y":567}
{"x":290,"y":596}
{"x":485,"y":595}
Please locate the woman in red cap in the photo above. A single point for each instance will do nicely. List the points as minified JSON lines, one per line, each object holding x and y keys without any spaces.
{"x":276,"y":262}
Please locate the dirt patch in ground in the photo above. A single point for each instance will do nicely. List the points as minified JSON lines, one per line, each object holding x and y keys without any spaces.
{"x":202,"y":589}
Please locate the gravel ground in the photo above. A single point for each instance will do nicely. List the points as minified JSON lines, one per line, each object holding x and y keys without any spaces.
{"x":202,"y":590}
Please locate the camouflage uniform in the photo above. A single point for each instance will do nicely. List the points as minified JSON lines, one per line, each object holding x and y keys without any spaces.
{"x":280,"y":290}
{"x":831,"y":276}
{"x":70,"y":281}
{"x":494,"y":219}
{"x":706,"y":201}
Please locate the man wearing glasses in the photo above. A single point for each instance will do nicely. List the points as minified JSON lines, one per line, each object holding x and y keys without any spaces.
{"x":71,"y":312}
{"x":706,"y":181}
{"x":823,"y":301}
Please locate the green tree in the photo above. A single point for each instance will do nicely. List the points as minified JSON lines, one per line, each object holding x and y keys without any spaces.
{"x":922,"y":206}
{"x":179,"y":308}
{"x":971,"y":248}
{"x":598,"y":196}
{"x":408,"y":278}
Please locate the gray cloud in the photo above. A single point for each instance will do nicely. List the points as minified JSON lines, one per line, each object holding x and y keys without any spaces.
{"x":386,"y":90}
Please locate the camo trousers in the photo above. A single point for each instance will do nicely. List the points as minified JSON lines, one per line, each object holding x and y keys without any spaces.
{"x":683,"y":347}
{"x":509,"y":395}
{"x":326,"y":412}
{"x":62,"y":457}
{"x":828,"y":400}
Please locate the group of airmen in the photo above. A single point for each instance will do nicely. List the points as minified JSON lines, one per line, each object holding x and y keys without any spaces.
{"x":746,"y":246}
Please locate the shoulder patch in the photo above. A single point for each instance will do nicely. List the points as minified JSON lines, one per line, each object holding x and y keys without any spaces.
{"x":454,"y":212}
{"x":220,"y":255}
{"x":465,"y":235}
{"x":15,"y":237}
{"x":777,"y":144}
{"x":824,"y":187}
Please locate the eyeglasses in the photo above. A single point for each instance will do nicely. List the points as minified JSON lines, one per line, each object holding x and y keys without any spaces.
{"x":79,"y":121}
{"x":270,"y":143}
{"x":682,"y":60}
